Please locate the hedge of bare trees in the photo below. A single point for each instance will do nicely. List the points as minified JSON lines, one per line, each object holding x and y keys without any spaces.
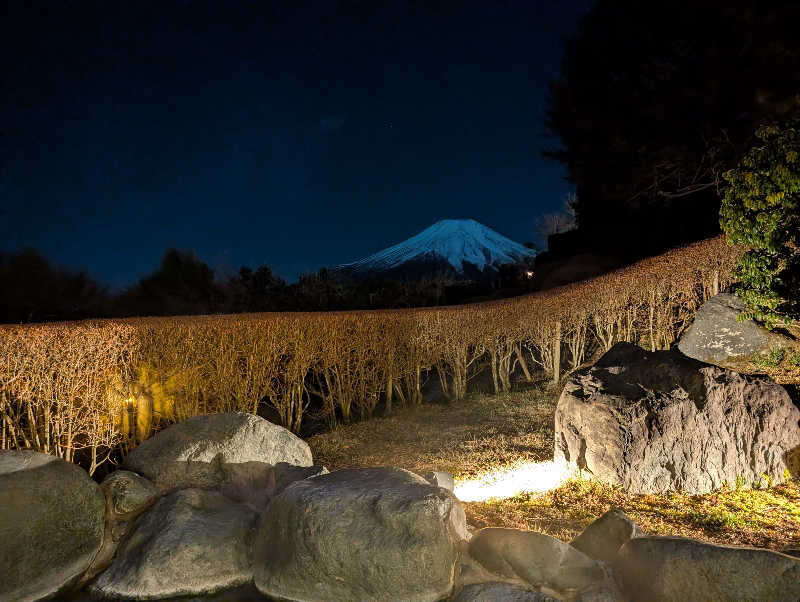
{"x":82,"y":390}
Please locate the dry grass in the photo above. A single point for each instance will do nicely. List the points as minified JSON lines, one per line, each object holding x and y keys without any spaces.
{"x":485,"y":433}
{"x":767,"y":518}
{"x":780,"y":364}
{"x":464,"y":438}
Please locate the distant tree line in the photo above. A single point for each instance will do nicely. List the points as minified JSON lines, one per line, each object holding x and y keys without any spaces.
{"x":34,"y":290}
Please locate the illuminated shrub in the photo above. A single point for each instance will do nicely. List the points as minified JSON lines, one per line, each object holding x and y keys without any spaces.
{"x":761,"y":210}
{"x":78,"y":390}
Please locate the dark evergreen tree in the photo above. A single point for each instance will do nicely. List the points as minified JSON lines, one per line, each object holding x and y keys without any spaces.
{"x":34,"y":290}
{"x":656,"y":100}
{"x":182,"y":284}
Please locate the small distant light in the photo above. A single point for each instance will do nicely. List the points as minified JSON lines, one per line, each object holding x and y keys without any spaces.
{"x":529,"y":273}
{"x":129,"y":401}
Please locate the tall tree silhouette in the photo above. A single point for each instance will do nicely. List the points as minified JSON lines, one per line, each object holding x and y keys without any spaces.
{"x":182,"y":284}
{"x":34,"y":290}
{"x":657,"y":99}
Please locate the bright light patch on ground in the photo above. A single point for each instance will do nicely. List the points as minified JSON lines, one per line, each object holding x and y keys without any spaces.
{"x":531,"y":477}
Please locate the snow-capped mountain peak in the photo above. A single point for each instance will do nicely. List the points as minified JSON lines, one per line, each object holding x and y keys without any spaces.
{"x":459,"y":243}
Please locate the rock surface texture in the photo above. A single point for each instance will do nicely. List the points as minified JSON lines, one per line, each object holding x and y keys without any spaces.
{"x":360,"y":534}
{"x":191,"y":542}
{"x":51,"y":524}
{"x":603,"y":538}
{"x":497,"y":591}
{"x":716,"y":336}
{"x":198,"y":452}
{"x":535,"y":558}
{"x":255,"y":483}
{"x":128,"y":493}
{"x":440,"y":479}
{"x":675,"y":569}
{"x":660,"y":421}
{"x":127,"y":496}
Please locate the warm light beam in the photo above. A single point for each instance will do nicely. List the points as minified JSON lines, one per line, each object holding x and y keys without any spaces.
{"x":530,"y":477}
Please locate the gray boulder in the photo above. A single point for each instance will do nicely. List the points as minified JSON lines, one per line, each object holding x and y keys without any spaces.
{"x":360,"y":534}
{"x":127,"y":493}
{"x":604,"y":537}
{"x":602,"y":593}
{"x":191,"y":542}
{"x":127,"y":496}
{"x":51,"y":524}
{"x":662,"y":569}
{"x":286,"y":474}
{"x":497,"y":591}
{"x":535,"y":558}
{"x":198,"y":452}
{"x":255,"y":483}
{"x":716,"y":336}
{"x":440,"y":479}
{"x":660,"y":421}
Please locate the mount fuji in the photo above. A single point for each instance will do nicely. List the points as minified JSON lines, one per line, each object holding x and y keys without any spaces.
{"x":460,"y":248}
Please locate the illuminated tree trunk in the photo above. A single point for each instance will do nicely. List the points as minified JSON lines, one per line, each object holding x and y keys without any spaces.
{"x":557,"y":353}
{"x":522,"y":363}
{"x":389,"y":391}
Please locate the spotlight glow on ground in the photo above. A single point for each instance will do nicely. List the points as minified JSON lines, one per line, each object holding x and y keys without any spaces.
{"x":530,"y":477}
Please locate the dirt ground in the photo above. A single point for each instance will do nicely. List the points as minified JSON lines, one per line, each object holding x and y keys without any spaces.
{"x":487,"y":433}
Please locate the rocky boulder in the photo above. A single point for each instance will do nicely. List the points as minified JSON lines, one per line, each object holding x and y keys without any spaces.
{"x":128,"y":493}
{"x":666,"y":569}
{"x":440,"y":479}
{"x":535,"y":558}
{"x":497,"y":591}
{"x":360,"y":534}
{"x":198,"y":452}
{"x":191,"y":542}
{"x":255,"y":483}
{"x":718,"y":337}
{"x":660,"y":421}
{"x":604,"y":537}
{"x":51,"y":524}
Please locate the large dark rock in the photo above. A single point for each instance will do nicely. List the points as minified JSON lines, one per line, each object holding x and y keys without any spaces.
{"x":198,"y":452}
{"x":51,"y":524}
{"x":255,"y":483}
{"x":127,"y":496}
{"x":660,"y":421}
{"x":191,"y":542}
{"x":360,"y":534}
{"x":535,"y":558}
{"x":128,"y":493}
{"x":604,"y":537}
{"x":497,"y":591}
{"x":718,"y":337}
{"x":675,"y":569}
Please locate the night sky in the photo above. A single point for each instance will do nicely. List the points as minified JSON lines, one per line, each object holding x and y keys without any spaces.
{"x":293,"y":134}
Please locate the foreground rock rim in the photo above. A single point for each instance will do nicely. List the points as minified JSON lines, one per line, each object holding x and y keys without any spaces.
{"x":191,"y":542}
{"x":356,"y":534}
{"x":672,"y":569}
{"x":51,"y":524}
{"x":535,"y":558}
{"x":199,"y":451}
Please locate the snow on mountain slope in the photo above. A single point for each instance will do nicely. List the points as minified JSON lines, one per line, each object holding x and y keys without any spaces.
{"x":454,"y":241}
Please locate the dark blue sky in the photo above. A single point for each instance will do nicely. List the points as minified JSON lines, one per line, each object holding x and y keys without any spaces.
{"x":294,"y":134}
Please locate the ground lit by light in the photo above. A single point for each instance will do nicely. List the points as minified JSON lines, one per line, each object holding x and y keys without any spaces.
{"x":530,"y":477}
